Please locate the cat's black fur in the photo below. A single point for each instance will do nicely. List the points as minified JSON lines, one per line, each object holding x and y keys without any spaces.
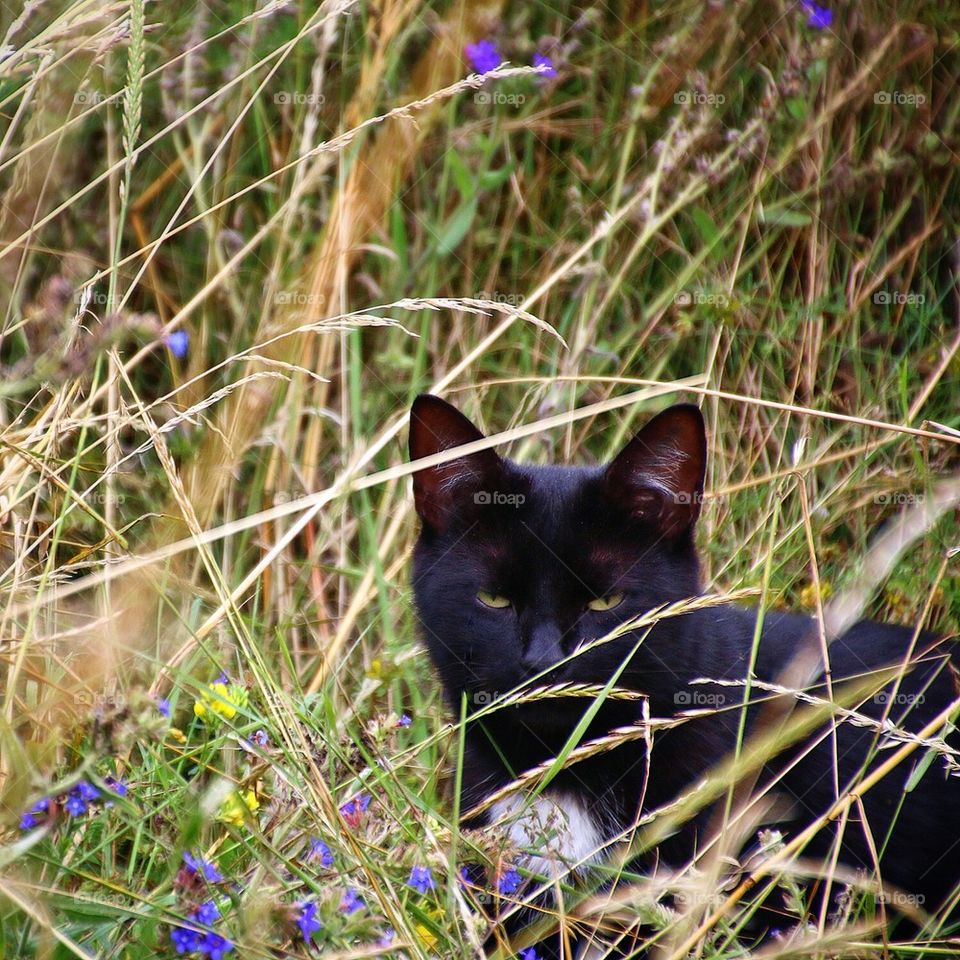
{"x":551,"y":539}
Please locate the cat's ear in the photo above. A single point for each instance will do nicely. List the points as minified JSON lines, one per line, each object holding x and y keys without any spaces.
{"x":441,"y":492}
{"x":658,"y":476}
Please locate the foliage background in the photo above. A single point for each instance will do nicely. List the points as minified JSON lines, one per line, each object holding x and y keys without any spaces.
{"x":716,"y":193}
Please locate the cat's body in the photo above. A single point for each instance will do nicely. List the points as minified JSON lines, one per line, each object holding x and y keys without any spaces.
{"x":518,"y":567}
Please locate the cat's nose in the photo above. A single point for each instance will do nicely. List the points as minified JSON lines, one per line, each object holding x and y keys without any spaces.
{"x":544,"y":647}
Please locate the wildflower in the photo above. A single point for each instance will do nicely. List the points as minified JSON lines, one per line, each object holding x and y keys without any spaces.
{"x":404,"y":721}
{"x":528,"y":954}
{"x":421,"y":879}
{"x":220,"y":699}
{"x":387,"y":937}
{"x":206,"y":868}
{"x":307,"y":921}
{"x":260,"y":739}
{"x":425,"y":935}
{"x":320,"y":851}
{"x":116,"y":785}
{"x":354,"y":809}
{"x":30,"y":819}
{"x":178,"y":343}
{"x":351,"y":901}
{"x":237,"y":807}
{"x":214,"y":946}
{"x":163,"y":705}
{"x":75,"y":804}
{"x":542,"y":60}
{"x":207,"y":913}
{"x":483,"y":55}
{"x":818,"y":18}
{"x":184,"y":940}
{"x":509,"y":881}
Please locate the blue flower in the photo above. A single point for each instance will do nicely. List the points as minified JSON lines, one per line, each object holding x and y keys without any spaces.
{"x":542,"y":60}
{"x":351,"y":901}
{"x":116,"y":785}
{"x":528,"y":954}
{"x":354,"y":809}
{"x":207,"y":913}
{"x":184,"y":940}
{"x":307,"y":921}
{"x":204,"y":867}
{"x":178,"y":343}
{"x":387,"y":937}
{"x":818,"y":18}
{"x":509,"y":881}
{"x":86,"y":791}
{"x":29,"y":820}
{"x":421,"y":879}
{"x":75,"y":805}
{"x":404,"y":721}
{"x":260,"y":738}
{"x":163,"y":705}
{"x":483,"y":55}
{"x":320,"y":851}
{"x":214,"y":946}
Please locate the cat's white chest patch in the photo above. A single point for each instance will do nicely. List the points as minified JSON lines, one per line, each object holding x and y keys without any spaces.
{"x":557,"y":831}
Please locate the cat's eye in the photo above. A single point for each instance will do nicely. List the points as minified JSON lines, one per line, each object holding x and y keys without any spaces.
{"x":494,"y":600}
{"x":602,"y":604}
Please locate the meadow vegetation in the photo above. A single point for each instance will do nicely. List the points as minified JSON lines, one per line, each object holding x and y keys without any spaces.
{"x":237,"y":238}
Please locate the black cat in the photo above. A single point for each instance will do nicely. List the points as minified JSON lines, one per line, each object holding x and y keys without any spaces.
{"x":517,"y":568}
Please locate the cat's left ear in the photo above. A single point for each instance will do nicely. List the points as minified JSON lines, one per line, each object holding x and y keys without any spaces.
{"x":658,"y":476}
{"x":442,"y":492}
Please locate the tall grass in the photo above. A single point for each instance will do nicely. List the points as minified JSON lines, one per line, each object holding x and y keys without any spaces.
{"x":719,"y":202}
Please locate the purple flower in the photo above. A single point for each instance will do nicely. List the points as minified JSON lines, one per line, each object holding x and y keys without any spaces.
{"x":387,"y":937}
{"x":184,"y":940}
{"x":509,"y":881}
{"x":421,"y":879}
{"x":178,"y":343}
{"x":86,"y":791}
{"x":483,"y":55}
{"x":528,"y":954}
{"x":818,"y":18}
{"x":163,"y":705}
{"x":542,"y":60}
{"x":320,"y":851}
{"x":75,"y":805}
{"x":260,"y":738}
{"x":351,"y":901}
{"x":354,"y":809}
{"x":207,"y":913}
{"x":214,"y":946}
{"x":29,"y":820}
{"x":116,"y":785}
{"x":201,"y":866}
{"x":404,"y":721}
{"x":307,"y":921}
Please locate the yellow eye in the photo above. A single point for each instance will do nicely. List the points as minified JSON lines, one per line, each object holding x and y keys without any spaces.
{"x":602,"y":604}
{"x":493,"y":600}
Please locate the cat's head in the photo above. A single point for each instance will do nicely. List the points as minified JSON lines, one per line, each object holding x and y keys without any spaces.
{"x":517,"y":567}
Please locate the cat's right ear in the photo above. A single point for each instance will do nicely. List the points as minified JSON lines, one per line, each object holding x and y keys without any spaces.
{"x":443,"y":491}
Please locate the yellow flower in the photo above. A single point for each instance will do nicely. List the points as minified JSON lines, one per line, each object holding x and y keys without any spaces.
{"x":220,"y":699}
{"x":808,"y":594}
{"x":237,"y":807}
{"x":426,"y":937}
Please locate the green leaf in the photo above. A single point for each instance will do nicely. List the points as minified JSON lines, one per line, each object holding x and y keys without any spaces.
{"x":785,"y":217}
{"x":462,"y":175}
{"x":456,"y":227}
{"x":705,"y":225}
